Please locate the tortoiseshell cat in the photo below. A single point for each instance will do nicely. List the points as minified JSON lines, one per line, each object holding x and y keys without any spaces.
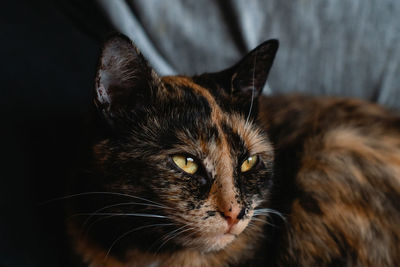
{"x":204,"y":171}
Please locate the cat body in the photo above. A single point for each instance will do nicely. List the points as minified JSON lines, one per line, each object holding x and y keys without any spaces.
{"x":337,"y":169}
{"x":203,"y":171}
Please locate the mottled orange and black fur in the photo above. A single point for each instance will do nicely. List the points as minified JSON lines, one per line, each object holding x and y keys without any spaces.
{"x":323,"y":192}
{"x":337,"y":178}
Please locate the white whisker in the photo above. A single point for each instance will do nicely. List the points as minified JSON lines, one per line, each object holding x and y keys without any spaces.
{"x":252,"y":90}
{"x":120,"y":214}
{"x":268,"y":212}
{"x":101,"y":193}
{"x":86,"y":232}
{"x":131,"y":231}
{"x":174,"y":236}
{"x":166,"y":235}
{"x":187,"y":240}
{"x":119,"y":204}
{"x":264,"y":221}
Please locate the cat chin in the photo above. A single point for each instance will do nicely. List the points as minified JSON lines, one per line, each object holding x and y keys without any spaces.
{"x":216,"y":243}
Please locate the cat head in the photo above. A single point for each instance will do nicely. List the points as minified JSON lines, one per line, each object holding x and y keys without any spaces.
{"x":185,"y":161}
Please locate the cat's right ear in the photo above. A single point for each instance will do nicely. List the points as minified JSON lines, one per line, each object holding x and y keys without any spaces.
{"x":124,"y":79}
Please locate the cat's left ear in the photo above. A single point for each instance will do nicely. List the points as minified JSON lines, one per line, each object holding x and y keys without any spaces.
{"x":249,"y":76}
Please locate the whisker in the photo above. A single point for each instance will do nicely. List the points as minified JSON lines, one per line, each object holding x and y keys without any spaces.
{"x":252,"y":91}
{"x":119,"y":204}
{"x":187,"y":239}
{"x":85,"y":233}
{"x":93,"y":223}
{"x":119,"y":214}
{"x":264,"y":221}
{"x":268,"y":212}
{"x":166,"y":235}
{"x":174,"y":236}
{"x":101,"y":193}
{"x":131,"y":231}
{"x":252,"y":227}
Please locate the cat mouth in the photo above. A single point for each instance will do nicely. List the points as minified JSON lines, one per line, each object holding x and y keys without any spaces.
{"x":229,"y":233}
{"x":225,"y":234}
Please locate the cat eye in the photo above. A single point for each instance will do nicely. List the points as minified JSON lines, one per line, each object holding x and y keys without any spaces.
{"x":187,"y":164}
{"x":249,"y":163}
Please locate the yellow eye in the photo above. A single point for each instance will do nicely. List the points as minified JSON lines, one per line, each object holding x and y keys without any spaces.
{"x":249,"y":163}
{"x":187,"y":164}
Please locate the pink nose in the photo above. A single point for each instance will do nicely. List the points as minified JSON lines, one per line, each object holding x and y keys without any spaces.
{"x":233,"y":215}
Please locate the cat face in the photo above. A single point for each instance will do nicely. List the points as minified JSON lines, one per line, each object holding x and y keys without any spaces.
{"x":184,"y":154}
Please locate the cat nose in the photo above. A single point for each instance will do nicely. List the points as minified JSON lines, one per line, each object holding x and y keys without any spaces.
{"x":233,"y":215}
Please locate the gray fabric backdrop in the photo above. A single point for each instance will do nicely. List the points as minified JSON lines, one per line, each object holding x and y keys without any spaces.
{"x":345,"y":48}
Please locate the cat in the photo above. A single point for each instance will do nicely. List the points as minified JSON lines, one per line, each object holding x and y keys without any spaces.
{"x":207,"y":171}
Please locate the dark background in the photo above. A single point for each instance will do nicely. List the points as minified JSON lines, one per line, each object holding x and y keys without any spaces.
{"x":48,"y":63}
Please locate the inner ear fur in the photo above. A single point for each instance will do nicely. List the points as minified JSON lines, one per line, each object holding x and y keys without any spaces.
{"x":252,"y":71}
{"x":124,"y":79}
